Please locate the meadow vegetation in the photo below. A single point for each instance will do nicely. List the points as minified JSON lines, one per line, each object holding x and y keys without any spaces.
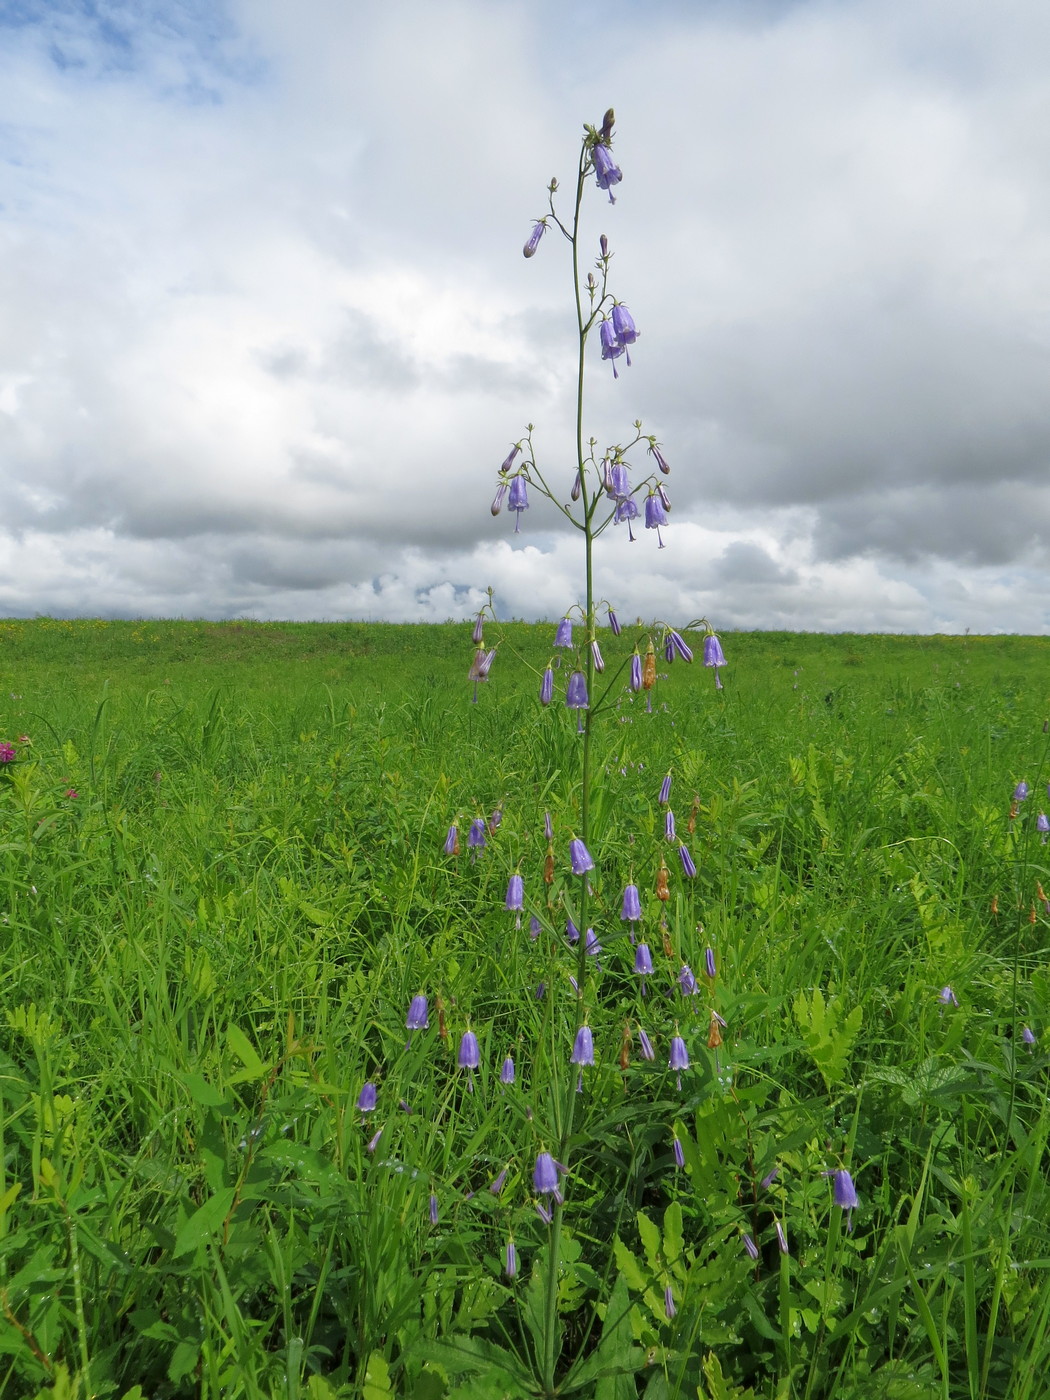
{"x":223,"y":881}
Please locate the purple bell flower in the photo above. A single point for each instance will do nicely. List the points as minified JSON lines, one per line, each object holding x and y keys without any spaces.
{"x":669,"y":1307}
{"x":478,"y":634}
{"x":366,"y":1099}
{"x":452,"y":840}
{"x":498,"y":1182}
{"x":545,"y":1175}
{"x":679,"y":1155}
{"x":572,"y":933}
{"x":782,"y":1242}
{"x":583,"y":1048}
{"x":669,"y":829}
{"x":614,"y":623}
{"x":750,"y":1247}
{"x":611,"y":348}
{"x":679,"y":1054}
{"x":579,"y":857}
{"x":709,"y":963}
{"x":469,"y":1055}
{"x":1027,"y":1036}
{"x":548,"y":827}
{"x":373,"y":1142}
{"x":417,"y":1013}
{"x":636,"y":673}
{"x":508,"y":461}
{"x":845,"y":1191}
{"x":661,"y":461}
{"x":535,"y":927}
{"x":655,"y":515}
{"x":645,"y":1045}
{"x":515,"y":893}
{"x":547,"y":687}
{"x":713,"y":653}
{"x":590,"y":943}
{"x":632,"y":904}
{"x":1042,"y":825}
{"x":617,"y":481}
{"x":539,"y":228}
{"x":607,"y":172}
{"x":511,"y":1266}
{"x":1021,"y":791}
{"x":596,"y":653}
{"x":678,"y":645}
{"x":497,"y":501}
{"x":626,"y":509}
{"x":433,"y":1209}
{"x":506,"y":1074}
{"x":563,"y":636}
{"x":576,"y":692}
{"x":476,"y":834}
{"x":643,"y":960}
{"x":687,"y":981}
{"x":947,"y":997}
{"x":665,"y":791}
{"x":518,"y":500}
{"x":688,"y":868}
{"x":623,"y":325}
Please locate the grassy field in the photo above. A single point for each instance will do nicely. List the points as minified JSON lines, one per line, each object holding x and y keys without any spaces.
{"x":223,"y":881}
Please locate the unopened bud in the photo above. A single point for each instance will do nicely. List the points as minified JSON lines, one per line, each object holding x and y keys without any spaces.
{"x":607,"y":124}
{"x":497,"y":500}
{"x":604,"y":245}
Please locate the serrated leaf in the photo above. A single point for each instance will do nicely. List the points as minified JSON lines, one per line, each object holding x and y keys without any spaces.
{"x":629,"y":1267}
{"x":673,"y":1232}
{"x":650,"y":1237}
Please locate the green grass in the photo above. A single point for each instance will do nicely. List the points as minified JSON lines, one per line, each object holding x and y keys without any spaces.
{"x":212,"y":946}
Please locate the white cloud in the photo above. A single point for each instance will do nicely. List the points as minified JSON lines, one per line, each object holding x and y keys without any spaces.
{"x":268,"y":331}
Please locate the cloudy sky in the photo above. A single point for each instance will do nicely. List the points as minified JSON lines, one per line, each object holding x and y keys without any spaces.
{"x":267,"y":332}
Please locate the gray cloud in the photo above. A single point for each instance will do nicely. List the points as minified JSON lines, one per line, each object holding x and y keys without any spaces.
{"x":268,"y":331}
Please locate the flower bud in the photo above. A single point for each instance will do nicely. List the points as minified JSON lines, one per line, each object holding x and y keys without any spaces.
{"x":533,"y":241}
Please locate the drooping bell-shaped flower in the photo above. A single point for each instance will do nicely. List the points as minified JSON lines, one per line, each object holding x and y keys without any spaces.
{"x":591,"y":945}
{"x":506,"y":1073}
{"x":478,"y":634}
{"x":645,"y":1045}
{"x":545,"y":1176}
{"x":687,"y":981}
{"x":596,"y":653}
{"x":476,"y":834}
{"x":576,"y":691}
{"x":539,"y":228}
{"x":583,"y":1047}
{"x":1042,"y":825}
{"x":623,"y":325}
{"x":547,"y":687}
{"x":636,"y":673}
{"x":366,"y":1099}
{"x":678,"y":645}
{"x":452,"y":841}
{"x":669,"y":829}
{"x":782,"y":1241}
{"x":679,"y":1155}
{"x":563,"y":636}
{"x":713,"y":653}
{"x":643,"y":961}
{"x":1027,"y":1036}
{"x":1021,"y":791}
{"x":614,"y":624}
{"x":750,"y":1247}
{"x":665,"y":791}
{"x":947,"y":997}
{"x":534,"y":927}
{"x":417,"y":1019}
{"x":572,"y":933}
{"x":845,"y":1191}
{"x":611,"y":348}
{"x":655,"y":515}
{"x":515,"y":893}
{"x":498,"y":1182}
{"x":626,"y":509}
{"x":607,"y":172}
{"x":469,"y":1055}
{"x":709,"y":963}
{"x":688,"y":868}
{"x":679,"y":1059}
{"x":579,"y":857}
{"x":518,"y":500}
{"x":618,"y":482}
{"x":510,"y":1268}
{"x":661,"y":461}
{"x":632,"y":904}
{"x":497,"y":501}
